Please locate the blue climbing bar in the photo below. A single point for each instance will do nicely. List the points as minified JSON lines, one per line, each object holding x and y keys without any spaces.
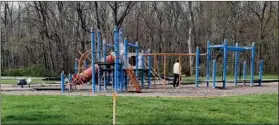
{"x":208,"y":62}
{"x":137,"y":60}
{"x":197,"y":67}
{"x":244,"y":71}
{"x":76,"y":66}
{"x":142,"y":69}
{"x":126,"y":61}
{"x":149,"y":67}
{"x":93,"y":60}
{"x":133,"y":45}
{"x":261,"y":72}
{"x":252,"y":64}
{"x":99,"y":58}
{"x":225,"y":63}
{"x":70,"y":80}
{"x":62,"y":78}
{"x":85,"y":64}
{"x":116,"y":64}
{"x":214,"y":74}
{"x":236,"y":66}
{"x":104,"y":56}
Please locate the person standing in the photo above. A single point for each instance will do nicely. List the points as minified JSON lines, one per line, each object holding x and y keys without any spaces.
{"x":176,"y":72}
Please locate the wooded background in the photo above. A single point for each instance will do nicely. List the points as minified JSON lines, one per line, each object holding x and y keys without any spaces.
{"x":53,"y":33}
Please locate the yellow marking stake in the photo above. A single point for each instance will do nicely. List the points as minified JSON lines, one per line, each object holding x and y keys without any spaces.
{"x":114,"y":106}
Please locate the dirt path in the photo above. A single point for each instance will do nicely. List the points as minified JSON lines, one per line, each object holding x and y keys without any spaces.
{"x":183,"y":91}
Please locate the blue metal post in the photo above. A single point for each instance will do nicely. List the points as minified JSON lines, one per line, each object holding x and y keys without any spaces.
{"x":197,"y":66}
{"x":70,"y":76}
{"x":126,"y":61}
{"x":142,"y":68}
{"x":261,"y":72}
{"x":99,"y":45}
{"x":236,"y":66}
{"x":85,"y":64}
{"x":70,"y":80}
{"x":214,"y":74}
{"x":62,"y":82}
{"x":104,"y":56}
{"x":208,"y":62}
{"x":120,"y":35}
{"x":120,"y":40}
{"x":99,"y":58}
{"x":76,"y":67}
{"x":252,"y":64}
{"x":225,"y":63}
{"x":244,"y":70}
{"x":116,"y":65}
{"x":137,"y":60}
{"x":149,"y":68}
{"x":93,"y":60}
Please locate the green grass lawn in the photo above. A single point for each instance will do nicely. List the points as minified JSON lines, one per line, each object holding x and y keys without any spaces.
{"x":249,"y":109}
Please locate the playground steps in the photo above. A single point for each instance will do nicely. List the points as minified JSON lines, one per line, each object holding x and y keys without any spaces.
{"x":133,"y":80}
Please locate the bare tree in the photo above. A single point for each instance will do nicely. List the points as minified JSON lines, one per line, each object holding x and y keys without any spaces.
{"x":119,"y":17}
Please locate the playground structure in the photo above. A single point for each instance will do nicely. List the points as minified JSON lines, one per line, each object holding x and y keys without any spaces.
{"x":116,"y":68}
{"x":225,"y":49}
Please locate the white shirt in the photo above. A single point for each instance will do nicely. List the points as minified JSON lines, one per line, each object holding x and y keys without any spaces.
{"x":29,"y":80}
{"x":176,"y":68}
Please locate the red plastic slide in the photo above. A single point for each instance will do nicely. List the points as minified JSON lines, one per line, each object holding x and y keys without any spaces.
{"x":87,"y":74}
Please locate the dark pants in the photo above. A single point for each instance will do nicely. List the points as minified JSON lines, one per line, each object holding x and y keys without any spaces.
{"x":176,"y":80}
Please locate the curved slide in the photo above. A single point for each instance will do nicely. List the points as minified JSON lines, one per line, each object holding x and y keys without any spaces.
{"x":86,"y":75}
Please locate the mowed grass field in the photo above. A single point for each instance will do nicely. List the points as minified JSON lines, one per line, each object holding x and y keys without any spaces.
{"x":248,"y":109}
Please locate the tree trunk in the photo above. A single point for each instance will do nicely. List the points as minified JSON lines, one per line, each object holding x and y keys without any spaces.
{"x":190,"y":51}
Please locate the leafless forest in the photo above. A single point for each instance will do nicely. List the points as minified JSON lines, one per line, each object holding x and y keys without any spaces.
{"x":53,"y":33}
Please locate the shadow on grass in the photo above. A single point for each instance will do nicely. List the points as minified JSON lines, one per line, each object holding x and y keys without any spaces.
{"x":31,"y":118}
{"x":176,"y":119}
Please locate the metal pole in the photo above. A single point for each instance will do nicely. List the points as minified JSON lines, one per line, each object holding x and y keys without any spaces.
{"x":244,"y":71}
{"x":208,"y":62}
{"x":137,"y":60}
{"x":126,"y":61}
{"x":252,"y":64}
{"x":85,"y":64}
{"x":120,"y":40}
{"x":261,"y":72}
{"x":142,"y":69}
{"x":99,"y":58}
{"x":179,"y":77}
{"x":70,"y":81}
{"x":116,"y":50}
{"x":99,"y":45}
{"x":165,"y":76}
{"x":197,"y":67}
{"x":149,"y":68}
{"x":0,"y":65}
{"x":104,"y":55}
{"x":93,"y":60}
{"x":214,"y":74}
{"x":62,"y":82}
{"x":76,"y":67}
{"x":225,"y":63}
{"x":236,"y":66}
